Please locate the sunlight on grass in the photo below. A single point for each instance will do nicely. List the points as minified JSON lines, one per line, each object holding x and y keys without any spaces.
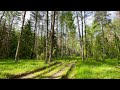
{"x":97,"y":70}
{"x":9,"y":67}
{"x":89,"y":69}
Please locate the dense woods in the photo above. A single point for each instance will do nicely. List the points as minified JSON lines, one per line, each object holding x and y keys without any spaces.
{"x":52,"y":35}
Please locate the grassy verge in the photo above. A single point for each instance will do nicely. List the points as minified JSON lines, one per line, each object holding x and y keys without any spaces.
{"x":9,"y":67}
{"x":97,"y":70}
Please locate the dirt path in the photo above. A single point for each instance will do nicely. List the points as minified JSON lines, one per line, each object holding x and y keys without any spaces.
{"x":69,"y":71}
{"x":58,"y":70}
{"x":31,"y":72}
{"x":62,"y":72}
{"x":40,"y":73}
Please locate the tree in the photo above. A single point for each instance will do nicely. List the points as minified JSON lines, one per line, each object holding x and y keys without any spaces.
{"x":101,"y":18}
{"x":52,"y":38}
{"x":19,"y":40}
{"x":35,"y":45}
{"x":80,"y":41}
{"x":47,"y":39}
{"x":27,"y":41}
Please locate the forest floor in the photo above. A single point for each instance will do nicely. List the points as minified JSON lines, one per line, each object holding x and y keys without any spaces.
{"x":70,"y":68}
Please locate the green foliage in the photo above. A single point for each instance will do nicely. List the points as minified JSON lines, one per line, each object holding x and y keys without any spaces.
{"x":13,"y":44}
{"x":26,"y":42}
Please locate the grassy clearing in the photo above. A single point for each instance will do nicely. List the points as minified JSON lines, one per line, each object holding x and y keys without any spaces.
{"x":89,"y":69}
{"x":97,"y":70}
{"x":9,"y":67}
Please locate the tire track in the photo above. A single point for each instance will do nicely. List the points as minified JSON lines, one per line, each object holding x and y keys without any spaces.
{"x":31,"y":72}
{"x":69,"y":71}
{"x":59,"y":73}
{"x":40,"y":74}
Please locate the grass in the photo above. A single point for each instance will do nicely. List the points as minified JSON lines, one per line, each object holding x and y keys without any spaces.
{"x":97,"y":70}
{"x":9,"y":67}
{"x":55,"y":70}
{"x":37,"y":74}
{"x":89,"y":69}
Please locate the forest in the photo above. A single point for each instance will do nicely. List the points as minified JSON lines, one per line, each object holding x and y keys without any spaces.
{"x":59,"y":44}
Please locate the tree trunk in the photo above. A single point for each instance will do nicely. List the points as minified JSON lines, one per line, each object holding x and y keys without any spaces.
{"x":103,"y":53}
{"x":82,"y":37}
{"x":66,"y":41}
{"x":19,"y":41}
{"x":85,"y":36}
{"x":34,"y":54}
{"x":63,"y":42}
{"x":117,"y":45}
{"x":80,"y":40}
{"x":52,"y":39}
{"x":57,"y":31}
{"x":47,"y":39}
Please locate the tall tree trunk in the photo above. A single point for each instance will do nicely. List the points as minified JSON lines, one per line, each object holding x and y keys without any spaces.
{"x":43,"y":50}
{"x":117,"y":45}
{"x":85,"y":36}
{"x":61,"y":41}
{"x":80,"y":40}
{"x":47,"y":39}
{"x":82,"y":37}
{"x":34,"y":54}
{"x":36,"y":38}
{"x":42,"y":31}
{"x":66,"y":41}
{"x":52,"y":39}
{"x":57,"y":31}
{"x":103,"y":53}
{"x":19,"y":41}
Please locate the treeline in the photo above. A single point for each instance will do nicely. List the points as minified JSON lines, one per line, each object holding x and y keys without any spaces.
{"x":49,"y":35}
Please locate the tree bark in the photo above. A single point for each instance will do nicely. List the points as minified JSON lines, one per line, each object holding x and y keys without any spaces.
{"x":19,"y":41}
{"x":47,"y":39}
{"x":34,"y":40}
{"x":103,"y":53}
{"x":80,"y":41}
{"x":52,"y":39}
{"x":57,"y":31}
{"x":82,"y":37}
{"x":85,"y":36}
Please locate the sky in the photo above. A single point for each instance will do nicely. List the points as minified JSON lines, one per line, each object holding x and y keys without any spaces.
{"x":89,"y":20}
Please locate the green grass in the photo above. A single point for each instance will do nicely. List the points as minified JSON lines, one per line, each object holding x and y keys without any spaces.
{"x":89,"y":69}
{"x":37,"y":74}
{"x":54,"y":71}
{"x":9,"y":67}
{"x":97,"y":70}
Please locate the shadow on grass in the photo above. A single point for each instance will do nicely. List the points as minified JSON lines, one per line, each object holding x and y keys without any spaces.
{"x":69,"y":58}
{"x":92,"y":62}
